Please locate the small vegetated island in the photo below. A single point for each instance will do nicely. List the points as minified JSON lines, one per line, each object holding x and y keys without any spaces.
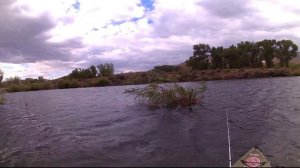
{"x":168,"y":95}
{"x":2,"y":99}
{"x":266,"y":58}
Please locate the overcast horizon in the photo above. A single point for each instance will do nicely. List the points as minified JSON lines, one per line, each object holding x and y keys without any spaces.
{"x":51,"y":38}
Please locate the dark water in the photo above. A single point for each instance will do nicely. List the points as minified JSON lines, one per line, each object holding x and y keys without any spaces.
{"x":103,"y":127}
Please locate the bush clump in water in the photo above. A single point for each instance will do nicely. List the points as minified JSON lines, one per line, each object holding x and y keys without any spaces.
{"x":168,"y":95}
{"x":2,"y":100}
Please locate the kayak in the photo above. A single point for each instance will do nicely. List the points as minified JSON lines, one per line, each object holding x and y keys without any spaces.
{"x":253,"y":158}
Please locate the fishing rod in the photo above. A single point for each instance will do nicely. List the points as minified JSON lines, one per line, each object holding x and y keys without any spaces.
{"x":253,"y":158}
{"x":228,"y":138}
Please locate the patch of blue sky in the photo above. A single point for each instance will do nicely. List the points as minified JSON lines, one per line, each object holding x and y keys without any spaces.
{"x":135,"y":19}
{"x":149,"y":21}
{"x":75,"y":6}
{"x":147,"y":4}
{"x":117,"y":22}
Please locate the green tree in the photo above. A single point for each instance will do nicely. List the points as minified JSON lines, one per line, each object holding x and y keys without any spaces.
{"x":79,"y":73}
{"x":286,"y":50}
{"x":244,"y":50}
{"x":105,"y":70}
{"x":255,"y":57}
{"x":93,"y":70}
{"x":267,"y":51}
{"x":13,"y":80}
{"x":199,"y":60}
{"x":231,"y":57}
{"x":249,"y":54}
{"x":41,"y":79}
{"x":75,"y":73}
{"x":217,"y":57}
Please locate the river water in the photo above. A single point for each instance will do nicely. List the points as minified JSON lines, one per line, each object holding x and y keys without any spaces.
{"x":104,"y":127}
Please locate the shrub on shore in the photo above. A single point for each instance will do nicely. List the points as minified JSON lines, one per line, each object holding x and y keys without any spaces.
{"x":168,"y":95}
{"x":28,"y":87}
{"x":38,"y":86}
{"x":66,"y":83}
{"x":15,"y":88}
{"x":104,"y":81}
{"x":167,"y":68}
{"x":294,"y":66}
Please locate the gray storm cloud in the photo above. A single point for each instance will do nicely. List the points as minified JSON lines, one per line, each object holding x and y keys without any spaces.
{"x":227,"y":8}
{"x":24,"y":39}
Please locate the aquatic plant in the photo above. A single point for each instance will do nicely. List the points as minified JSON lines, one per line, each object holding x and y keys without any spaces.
{"x":2,"y":100}
{"x":169,"y":95}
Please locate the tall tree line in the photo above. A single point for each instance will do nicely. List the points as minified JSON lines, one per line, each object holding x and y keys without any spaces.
{"x":103,"y":70}
{"x":245,"y":54}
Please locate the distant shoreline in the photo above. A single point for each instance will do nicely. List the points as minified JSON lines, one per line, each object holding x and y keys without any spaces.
{"x":182,"y":75}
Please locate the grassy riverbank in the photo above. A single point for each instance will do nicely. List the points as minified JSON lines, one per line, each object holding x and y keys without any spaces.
{"x":188,"y":75}
{"x":181,"y":74}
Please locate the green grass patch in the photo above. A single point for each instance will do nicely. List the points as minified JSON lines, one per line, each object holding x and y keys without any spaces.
{"x":294,"y":66}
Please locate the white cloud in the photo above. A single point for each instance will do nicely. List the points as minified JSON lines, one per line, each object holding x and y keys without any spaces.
{"x":125,"y":33}
{"x":278,"y":12}
{"x":47,"y":69}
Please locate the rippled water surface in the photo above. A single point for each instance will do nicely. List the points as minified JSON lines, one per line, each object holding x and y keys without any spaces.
{"x":104,"y":127}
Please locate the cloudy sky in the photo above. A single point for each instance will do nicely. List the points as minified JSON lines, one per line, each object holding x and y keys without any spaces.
{"x":51,"y":38}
